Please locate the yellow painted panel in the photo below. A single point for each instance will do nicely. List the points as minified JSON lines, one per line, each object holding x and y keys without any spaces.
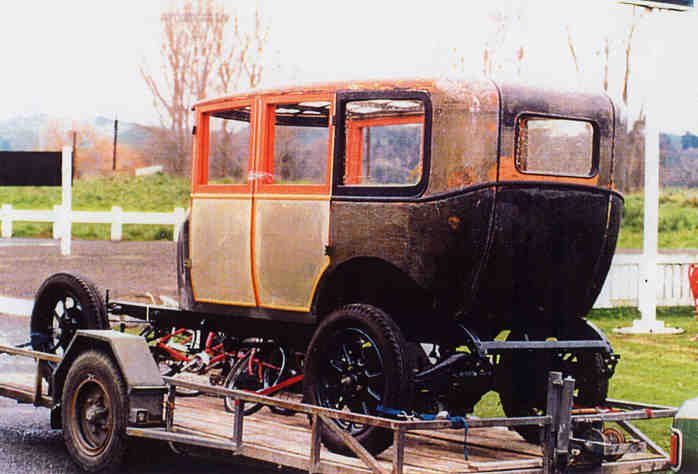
{"x":290,"y":240}
{"x":220,"y":251}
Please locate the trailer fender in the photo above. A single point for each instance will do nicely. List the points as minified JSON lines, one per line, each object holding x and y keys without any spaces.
{"x":145,"y":386}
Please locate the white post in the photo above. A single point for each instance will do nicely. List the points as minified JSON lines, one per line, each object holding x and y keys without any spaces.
{"x":179,"y":216}
{"x":647,"y":290}
{"x":117,"y":223}
{"x":6,"y":221}
{"x":56,"y":227}
{"x":67,"y":203}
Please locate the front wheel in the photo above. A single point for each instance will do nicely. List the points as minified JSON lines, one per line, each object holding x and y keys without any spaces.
{"x":94,"y":412}
{"x":356,"y":362}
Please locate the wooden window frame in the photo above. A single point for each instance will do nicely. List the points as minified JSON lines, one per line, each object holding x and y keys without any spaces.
{"x":265,"y":165}
{"x":355,"y":143}
{"x":200,"y":183}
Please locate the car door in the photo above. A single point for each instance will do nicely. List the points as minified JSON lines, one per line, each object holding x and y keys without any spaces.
{"x":291,"y":204}
{"x":221,"y":203}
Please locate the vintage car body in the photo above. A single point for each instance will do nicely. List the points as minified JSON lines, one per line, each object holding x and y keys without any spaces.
{"x":353,"y":221}
{"x":475,"y":238}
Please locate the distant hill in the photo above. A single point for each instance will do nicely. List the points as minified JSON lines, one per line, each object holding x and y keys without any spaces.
{"x":25,"y":133}
{"x":136,"y":142}
{"x":21,"y":133}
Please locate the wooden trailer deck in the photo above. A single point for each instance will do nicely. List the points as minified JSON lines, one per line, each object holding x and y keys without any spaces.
{"x":288,"y":440}
{"x":419,"y":447}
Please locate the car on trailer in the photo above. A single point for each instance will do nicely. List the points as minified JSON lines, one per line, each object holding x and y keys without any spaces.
{"x":422,"y":242}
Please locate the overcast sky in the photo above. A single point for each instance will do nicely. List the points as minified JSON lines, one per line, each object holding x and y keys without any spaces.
{"x":80,"y":58}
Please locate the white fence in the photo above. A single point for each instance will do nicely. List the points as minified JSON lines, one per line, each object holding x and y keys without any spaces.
{"x":116,"y":218}
{"x":623,"y":281}
{"x":620,"y":289}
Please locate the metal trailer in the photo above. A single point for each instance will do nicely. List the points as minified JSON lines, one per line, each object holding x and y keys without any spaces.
{"x":106,"y":388}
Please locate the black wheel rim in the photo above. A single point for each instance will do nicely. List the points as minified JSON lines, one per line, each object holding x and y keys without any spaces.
{"x":351,"y":376}
{"x":64,"y":320}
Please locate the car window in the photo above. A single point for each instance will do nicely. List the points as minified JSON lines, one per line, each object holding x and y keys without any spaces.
{"x":557,"y":146}
{"x":383,"y":144}
{"x":300,"y":141}
{"x":228,"y":146}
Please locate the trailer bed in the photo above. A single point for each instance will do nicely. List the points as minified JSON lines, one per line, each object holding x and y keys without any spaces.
{"x":290,"y":440}
{"x":287,"y":440}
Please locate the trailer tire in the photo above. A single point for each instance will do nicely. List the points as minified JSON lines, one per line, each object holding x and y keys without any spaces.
{"x":377,"y":375}
{"x":64,"y":304}
{"x":94,"y":412}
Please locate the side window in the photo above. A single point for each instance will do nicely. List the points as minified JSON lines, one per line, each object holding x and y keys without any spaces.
{"x":299,"y":136}
{"x":384,"y":143}
{"x":228,"y":146}
{"x":556,"y":146}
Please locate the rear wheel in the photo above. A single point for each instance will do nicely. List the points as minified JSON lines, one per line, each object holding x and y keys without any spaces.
{"x":522,"y":377}
{"x":356,"y":361}
{"x":94,"y":412}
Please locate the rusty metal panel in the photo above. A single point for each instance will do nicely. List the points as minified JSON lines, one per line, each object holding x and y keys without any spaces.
{"x":595,"y":107}
{"x":464,"y":134}
{"x":290,"y":240}
{"x":220,"y":250}
{"x":130,"y":351}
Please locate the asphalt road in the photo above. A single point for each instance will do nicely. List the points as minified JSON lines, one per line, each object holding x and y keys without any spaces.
{"x":130,"y":269}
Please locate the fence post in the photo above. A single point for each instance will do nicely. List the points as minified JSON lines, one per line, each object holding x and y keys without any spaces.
{"x":117,"y":223}
{"x":6,"y":221}
{"x":56,"y":226}
{"x":179,"y":216}
{"x":67,"y":195}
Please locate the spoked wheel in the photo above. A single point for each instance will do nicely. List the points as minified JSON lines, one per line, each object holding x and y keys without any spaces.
{"x":261,"y":368}
{"x":522,"y":378}
{"x":356,"y":361}
{"x":94,"y":410}
{"x":64,"y":304}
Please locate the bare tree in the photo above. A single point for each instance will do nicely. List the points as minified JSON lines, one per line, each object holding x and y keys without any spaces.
{"x":204,"y":51}
{"x":631,"y":145}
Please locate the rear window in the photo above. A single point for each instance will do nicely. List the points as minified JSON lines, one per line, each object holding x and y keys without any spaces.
{"x":556,"y":146}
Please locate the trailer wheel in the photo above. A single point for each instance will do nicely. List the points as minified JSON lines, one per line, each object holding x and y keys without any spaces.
{"x":356,"y":361}
{"x":94,"y":409}
{"x":64,"y":304}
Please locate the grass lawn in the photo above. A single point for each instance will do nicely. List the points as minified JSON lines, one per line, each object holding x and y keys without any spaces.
{"x":678,"y":220}
{"x":156,"y":193}
{"x":661,"y":369}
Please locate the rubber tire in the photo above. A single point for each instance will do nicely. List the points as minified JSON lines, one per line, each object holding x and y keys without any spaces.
{"x":521,"y":387}
{"x":523,"y":392}
{"x":97,"y":371}
{"x":92,"y":313}
{"x":231,"y":382}
{"x":392,"y":348}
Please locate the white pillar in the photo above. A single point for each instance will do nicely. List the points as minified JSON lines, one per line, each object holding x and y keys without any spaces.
{"x":647,"y":289}
{"x":56,"y":227}
{"x":179,"y":216}
{"x":117,"y":223}
{"x":67,"y":199}
{"x":6,"y":221}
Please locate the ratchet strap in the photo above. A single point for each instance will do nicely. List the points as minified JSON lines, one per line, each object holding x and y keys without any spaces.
{"x":457,"y":422}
